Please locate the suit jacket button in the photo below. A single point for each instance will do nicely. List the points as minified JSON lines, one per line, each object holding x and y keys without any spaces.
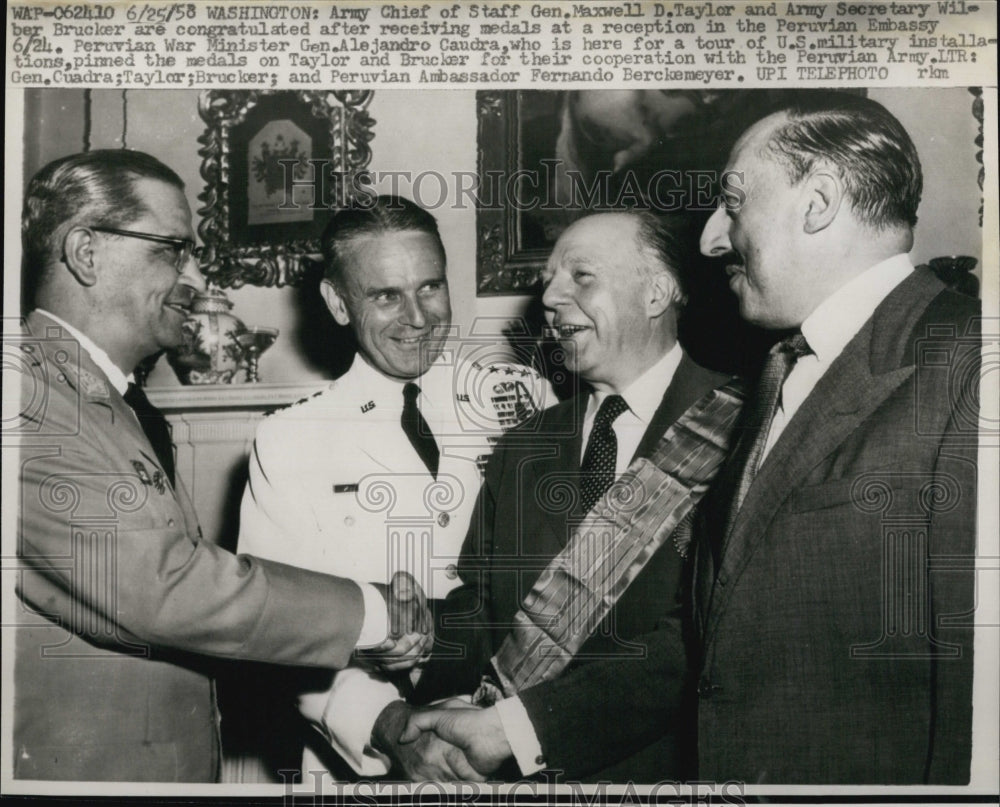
{"x":539,"y":760}
{"x":706,"y":688}
{"x":451,"y":572}
{"x":349,"y":521}
{"x":443,"y":519}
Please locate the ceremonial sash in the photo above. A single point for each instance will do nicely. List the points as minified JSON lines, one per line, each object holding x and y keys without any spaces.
{"x":611,"y":546}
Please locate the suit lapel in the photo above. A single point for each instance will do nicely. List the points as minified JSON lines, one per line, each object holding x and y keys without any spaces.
{"x":689,"y":384}
{"x":867,"y":372}
{"x":558,"y":461}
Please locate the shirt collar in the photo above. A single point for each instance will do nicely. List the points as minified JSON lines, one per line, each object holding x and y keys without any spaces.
{"x":840,"y":316}
{"x":118,"y":379}
{"x":645,"y":394}
{"x":388,"y":390}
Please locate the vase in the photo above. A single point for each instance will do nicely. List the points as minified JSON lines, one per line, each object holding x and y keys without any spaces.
{"x":210,"y":353}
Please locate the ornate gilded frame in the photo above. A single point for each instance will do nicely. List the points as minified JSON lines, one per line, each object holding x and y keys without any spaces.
{"x":504,"y":266}
{"x":237,"y":251}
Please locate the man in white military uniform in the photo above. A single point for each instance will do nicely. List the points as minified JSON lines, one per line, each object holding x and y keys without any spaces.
{"x":380,"y":470}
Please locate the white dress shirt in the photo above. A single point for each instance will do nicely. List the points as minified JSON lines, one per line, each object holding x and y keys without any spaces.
{"x":643,"y":396}
{"x":828,"y":329}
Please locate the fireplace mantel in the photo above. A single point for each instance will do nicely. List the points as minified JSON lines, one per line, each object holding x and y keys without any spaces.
{"x":228,"y":397}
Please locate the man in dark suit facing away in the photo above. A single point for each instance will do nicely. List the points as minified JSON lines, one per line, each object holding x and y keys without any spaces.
{"x":834,"y":585}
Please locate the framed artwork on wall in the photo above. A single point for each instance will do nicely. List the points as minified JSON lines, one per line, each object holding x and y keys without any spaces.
{"x":276,"y":165}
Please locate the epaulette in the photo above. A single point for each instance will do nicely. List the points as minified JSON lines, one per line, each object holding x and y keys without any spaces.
{"x":293,"y":404}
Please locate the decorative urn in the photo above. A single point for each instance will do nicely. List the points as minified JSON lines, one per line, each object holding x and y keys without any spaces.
{"x":210,"y":353}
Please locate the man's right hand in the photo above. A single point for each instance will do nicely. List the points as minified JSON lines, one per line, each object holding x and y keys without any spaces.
{"x":407,"y":606}
{"x":411,"y":626}
{"x":429,"y":758}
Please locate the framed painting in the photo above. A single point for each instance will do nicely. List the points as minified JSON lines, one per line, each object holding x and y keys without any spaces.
{"x":276,"y":165}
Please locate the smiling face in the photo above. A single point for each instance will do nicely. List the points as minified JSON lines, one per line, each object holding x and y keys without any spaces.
{"x":757,"y":229}
{"x":598,"y":298}
{"x":142,"y":293}
{"x":394,"y":295}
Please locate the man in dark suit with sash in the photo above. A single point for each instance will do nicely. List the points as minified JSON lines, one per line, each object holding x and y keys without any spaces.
{"x":568,"y":624}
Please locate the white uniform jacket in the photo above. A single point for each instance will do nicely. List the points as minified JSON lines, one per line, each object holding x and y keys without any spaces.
{"x":335,"y":486}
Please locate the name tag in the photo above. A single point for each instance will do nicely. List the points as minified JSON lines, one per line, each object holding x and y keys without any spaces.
{"x":345,"y":488}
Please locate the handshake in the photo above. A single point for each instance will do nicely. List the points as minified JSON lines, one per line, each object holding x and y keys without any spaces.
{"x":449,"y":741}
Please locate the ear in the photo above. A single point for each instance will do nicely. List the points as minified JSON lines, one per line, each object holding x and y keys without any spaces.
{"x":78,"y":255}
{"x":663,"y":293}
{"x":335,"y":302}
{"x":824,"y":195}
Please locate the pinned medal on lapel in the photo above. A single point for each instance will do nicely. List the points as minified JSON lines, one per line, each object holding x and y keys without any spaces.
{"x":142,"y":473}
{"x":156,"y":479}
{"x":159,"y":481}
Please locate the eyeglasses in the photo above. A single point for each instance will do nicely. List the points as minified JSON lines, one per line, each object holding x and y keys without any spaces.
{"x":184,"y":249}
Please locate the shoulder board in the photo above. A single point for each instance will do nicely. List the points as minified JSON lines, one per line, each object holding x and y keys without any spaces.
{"x":293,"y":404}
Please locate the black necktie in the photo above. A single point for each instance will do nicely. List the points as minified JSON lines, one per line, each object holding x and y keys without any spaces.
{"x":155,"y":426}
{"x":417,"y":430}
{"x":597,"y":471}
{"x":746,"y":459}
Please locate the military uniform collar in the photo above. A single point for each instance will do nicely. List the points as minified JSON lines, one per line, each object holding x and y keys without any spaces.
{"x":388,"y":392}
{"x":97,"y":355}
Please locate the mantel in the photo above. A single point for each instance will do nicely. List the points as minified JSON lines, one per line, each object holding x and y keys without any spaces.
{"x":228,"y":397}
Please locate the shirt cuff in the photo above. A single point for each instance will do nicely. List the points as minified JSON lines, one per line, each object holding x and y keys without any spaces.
{"x":520,"y":735}
{"x":356,"y":700}
{"x":375,"y":627}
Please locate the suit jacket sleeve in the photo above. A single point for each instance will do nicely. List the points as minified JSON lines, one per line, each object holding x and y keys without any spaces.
{"x":597,"y":714}
{"x":113,"y":559}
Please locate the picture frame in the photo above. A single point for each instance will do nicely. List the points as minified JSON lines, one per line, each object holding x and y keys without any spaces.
{"x":276,"y":164}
